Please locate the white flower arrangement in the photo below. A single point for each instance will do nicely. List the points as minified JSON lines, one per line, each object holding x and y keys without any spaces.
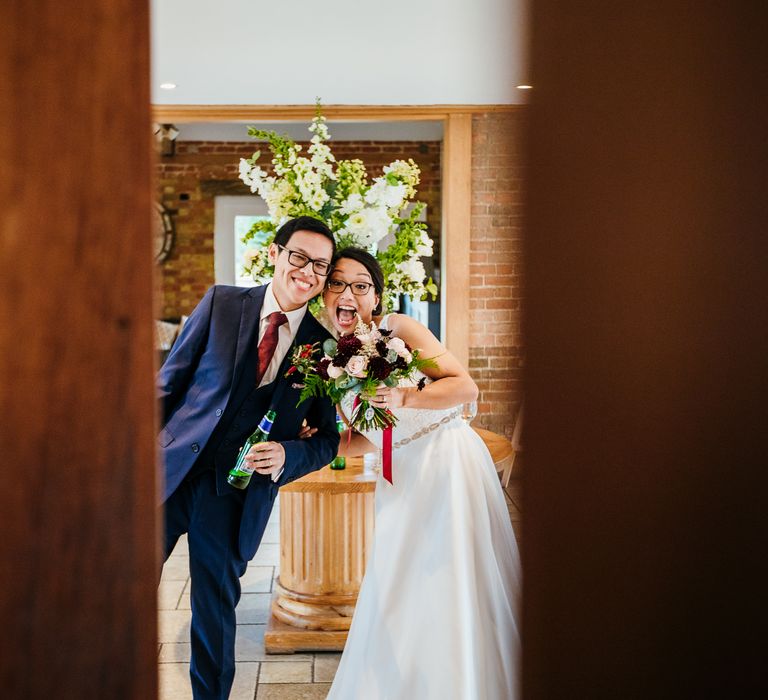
{"x":338,"y":192}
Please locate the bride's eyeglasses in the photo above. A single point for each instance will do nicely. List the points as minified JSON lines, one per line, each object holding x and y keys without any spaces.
{"x":359,"y":289}
{"x":321,"y":267}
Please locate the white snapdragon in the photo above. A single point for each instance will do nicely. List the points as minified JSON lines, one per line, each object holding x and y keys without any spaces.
{"x":318,"y":199}
{"x":352,"y":204}
{"x":407,"y":172}
{"x":319,"y":128}
{"x":279,"y":195}
{"x":368,"y":226}
{"x":412,"y":268}
{"x":424,"y":246}
{"x":310,"y":185}
{"x":245,"y":171}
{"x":251,"y":175}
{"x":257,"y":265}
{"x":249,"y":255}
{"x":390,"y":196}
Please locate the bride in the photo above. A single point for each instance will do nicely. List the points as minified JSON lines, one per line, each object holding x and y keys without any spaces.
{"x":437,"y":615}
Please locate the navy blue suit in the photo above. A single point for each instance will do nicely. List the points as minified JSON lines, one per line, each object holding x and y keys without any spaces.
{"x":210,"y":403}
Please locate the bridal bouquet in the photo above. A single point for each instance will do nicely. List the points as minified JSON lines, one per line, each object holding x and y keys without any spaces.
{"x":358,"y":363}
{"x":359,"y":212}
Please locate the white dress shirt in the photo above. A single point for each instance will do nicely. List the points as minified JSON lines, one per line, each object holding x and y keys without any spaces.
{"x":285,"y":335}
{"x":286,"y":332}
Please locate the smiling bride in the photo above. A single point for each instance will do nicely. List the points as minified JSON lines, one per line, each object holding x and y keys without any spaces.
{"x":436,"y":618}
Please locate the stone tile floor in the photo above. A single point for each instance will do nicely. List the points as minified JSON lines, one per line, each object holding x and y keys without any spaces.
{"x":259,"y":676}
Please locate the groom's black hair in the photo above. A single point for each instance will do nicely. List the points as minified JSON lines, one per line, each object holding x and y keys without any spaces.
{"x":303,"y":223}
{"x":369,"y":263}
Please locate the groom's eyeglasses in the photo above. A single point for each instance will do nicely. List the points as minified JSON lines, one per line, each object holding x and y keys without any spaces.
{"x":321,"y":267}
{"x":358,"y":288}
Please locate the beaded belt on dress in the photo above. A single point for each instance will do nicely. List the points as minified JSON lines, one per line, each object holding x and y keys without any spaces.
{"x":428,"y":429}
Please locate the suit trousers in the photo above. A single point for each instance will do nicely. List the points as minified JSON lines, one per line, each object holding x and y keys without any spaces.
{"x":212,"y":525}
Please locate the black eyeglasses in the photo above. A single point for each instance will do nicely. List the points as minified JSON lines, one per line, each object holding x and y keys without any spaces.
{"x":321,"y":267}
{"x":358,"y":288}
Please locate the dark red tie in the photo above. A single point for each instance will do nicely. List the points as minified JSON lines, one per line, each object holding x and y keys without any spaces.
{"x":269,"y":342}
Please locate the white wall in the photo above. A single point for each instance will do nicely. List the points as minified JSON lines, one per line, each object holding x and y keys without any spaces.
{"x":344,"y":51}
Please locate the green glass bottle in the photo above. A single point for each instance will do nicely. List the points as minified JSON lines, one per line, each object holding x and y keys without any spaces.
{"x":338,"y":461}
{"x":240,"y":475}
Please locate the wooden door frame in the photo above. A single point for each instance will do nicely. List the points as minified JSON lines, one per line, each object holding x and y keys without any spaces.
{"x":456,"y":181}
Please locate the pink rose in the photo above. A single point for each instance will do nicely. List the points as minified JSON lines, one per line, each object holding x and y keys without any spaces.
{"x":356,"y":366}
{"x":397,"y":345}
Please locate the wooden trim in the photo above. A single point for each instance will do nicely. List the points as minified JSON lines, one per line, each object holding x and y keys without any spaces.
{"x":457,"y":198}
{"x":166,"y":114}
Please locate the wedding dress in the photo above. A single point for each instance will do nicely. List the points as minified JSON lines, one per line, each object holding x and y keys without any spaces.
{"x":436,"y":617}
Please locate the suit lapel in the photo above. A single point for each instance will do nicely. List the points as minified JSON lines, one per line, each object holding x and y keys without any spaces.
{"x":304,"y":335}
{"x":249,"y":328}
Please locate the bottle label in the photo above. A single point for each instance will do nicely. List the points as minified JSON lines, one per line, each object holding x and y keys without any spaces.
{"x":265,"y":425}
{"x":243,"y":470}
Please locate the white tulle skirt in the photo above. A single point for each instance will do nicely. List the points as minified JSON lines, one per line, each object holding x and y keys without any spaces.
{"x":437,"y":615}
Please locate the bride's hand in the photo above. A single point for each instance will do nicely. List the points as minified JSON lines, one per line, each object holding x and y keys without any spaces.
{"x":306,"y":431}
{"x":388,"y":397}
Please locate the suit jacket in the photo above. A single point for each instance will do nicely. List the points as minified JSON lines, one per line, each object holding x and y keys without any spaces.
{"x":195,"y":384}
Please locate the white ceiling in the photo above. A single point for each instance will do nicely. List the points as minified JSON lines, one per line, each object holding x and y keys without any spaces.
{"x":367,"y":52}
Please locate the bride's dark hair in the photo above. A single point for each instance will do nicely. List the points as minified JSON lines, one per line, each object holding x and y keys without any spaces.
{"x":369,"y":263}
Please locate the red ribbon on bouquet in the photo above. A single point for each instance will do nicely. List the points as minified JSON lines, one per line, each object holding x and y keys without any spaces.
{"x":386,"y":446}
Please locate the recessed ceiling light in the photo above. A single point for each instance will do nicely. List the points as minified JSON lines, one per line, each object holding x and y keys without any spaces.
{"x":524,"y":87}
{"x":168,"y":86}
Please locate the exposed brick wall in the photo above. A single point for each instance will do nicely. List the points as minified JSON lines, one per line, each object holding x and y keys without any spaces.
{"x":496,"y":294}
{"x":189,"y":181}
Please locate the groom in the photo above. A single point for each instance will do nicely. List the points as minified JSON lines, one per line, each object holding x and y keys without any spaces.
{"x":222,"y":375}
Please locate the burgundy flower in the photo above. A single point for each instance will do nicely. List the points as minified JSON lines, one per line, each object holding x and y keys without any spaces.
{"x":349,"y":344}
{"x":322,"y":368}
{"x":340,"y":359}
{"x":385,"y":332}
{"x":400,"y":363}
{"x":379,"y":368}
{"x":381,"y":348}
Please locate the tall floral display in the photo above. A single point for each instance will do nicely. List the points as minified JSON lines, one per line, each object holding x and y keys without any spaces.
{"x":380,"y":216}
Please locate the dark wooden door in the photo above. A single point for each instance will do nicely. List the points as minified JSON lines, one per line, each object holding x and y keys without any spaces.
{"x":78,"y":545}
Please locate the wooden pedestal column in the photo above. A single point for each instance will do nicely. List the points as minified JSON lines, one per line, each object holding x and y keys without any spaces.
{"x":326,"y":531}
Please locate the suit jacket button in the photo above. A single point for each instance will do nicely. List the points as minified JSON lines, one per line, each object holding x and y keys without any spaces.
{"x":195,"y":447}
{"x":218,"y":411}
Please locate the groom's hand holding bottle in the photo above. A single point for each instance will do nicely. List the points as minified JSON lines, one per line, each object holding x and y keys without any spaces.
{"x":267,"y":458}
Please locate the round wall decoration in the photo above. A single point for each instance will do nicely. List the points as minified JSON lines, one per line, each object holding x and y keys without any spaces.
{"x":163,"y":232}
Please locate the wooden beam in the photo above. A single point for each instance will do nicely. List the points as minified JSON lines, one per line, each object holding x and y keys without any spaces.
{"x":457,"y":197}
{"x":179,"y":114}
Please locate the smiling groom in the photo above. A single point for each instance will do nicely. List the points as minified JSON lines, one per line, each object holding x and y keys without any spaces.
{"x":222,"y":375}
